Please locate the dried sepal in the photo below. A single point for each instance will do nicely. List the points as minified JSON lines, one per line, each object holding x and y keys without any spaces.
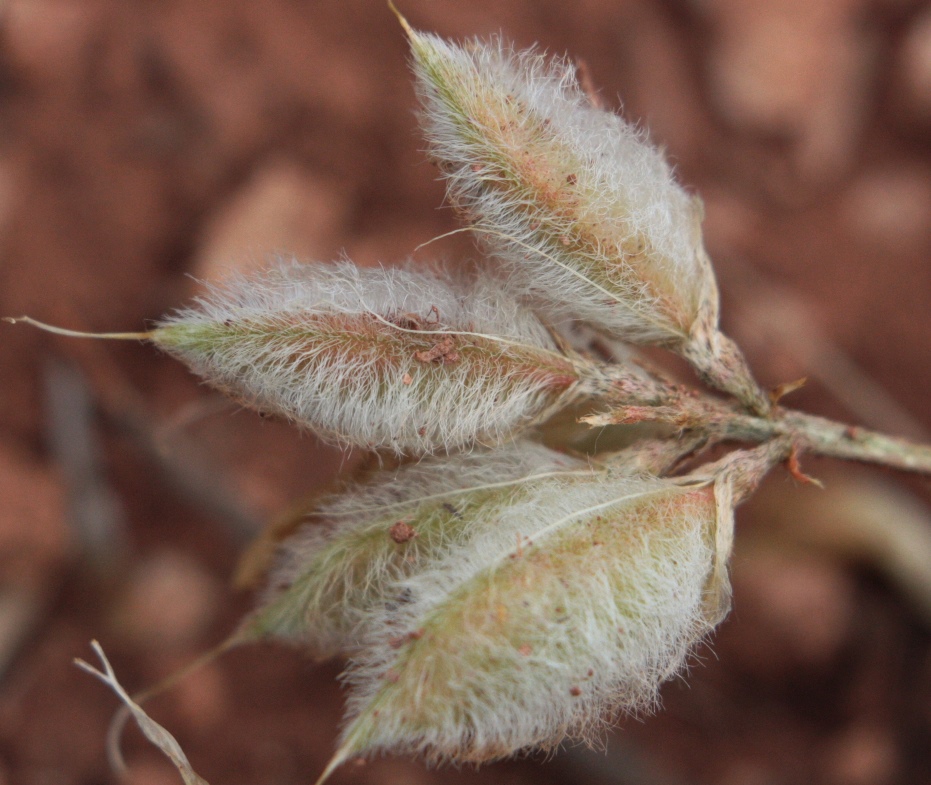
{"x":154,"y":732}
{"x":585,"y":217}
{"x":337,"y":571}
{"x":377,"y":358}
{"x":734,"y":478}
{"x":575,"y":606}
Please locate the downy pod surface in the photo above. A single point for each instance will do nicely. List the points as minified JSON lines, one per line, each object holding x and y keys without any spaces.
{"x":575,"y":605}
{"x":392,"y":359}
{"x":584,"y":215}
{"x":336,"y":572}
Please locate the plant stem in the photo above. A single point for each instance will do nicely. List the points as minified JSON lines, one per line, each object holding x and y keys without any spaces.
{"x":852,"y":443}
{"x":722,"y":421}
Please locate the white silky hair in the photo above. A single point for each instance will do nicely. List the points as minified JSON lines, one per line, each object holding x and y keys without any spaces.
{"x":513,"y":646}
{"x":622,"y":191}
{"x":259,"y":338}
{"x":336,"y":570}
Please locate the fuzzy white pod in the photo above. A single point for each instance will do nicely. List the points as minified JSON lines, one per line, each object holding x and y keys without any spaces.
{"x":337,"y":570}
{"x":396,"y":359}
{"x":575,"y":606}
{"x":585,"y":216}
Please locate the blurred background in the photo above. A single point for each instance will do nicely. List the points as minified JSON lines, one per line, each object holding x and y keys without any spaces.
{"x":144,"y":145}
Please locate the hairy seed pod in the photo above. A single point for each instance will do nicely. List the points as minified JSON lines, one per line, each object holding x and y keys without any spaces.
{"x":333,"y":574}
{"x":584,"y":215}
{"x":381,"y":358}
{"x":574,"y":606}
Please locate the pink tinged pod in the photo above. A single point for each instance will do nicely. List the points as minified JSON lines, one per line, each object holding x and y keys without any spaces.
{"x":377,"y":358}
{"x":585,"y":217}
{"x":576,"y":606}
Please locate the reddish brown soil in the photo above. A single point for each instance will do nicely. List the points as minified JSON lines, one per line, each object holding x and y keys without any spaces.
{"x":145,"y":143}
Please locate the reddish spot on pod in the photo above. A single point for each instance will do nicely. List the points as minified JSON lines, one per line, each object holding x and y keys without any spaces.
{"x":443,"y":351}
{"x":525,"y":649}
{"x":393,"y":677}
{"x":400,"y":640}
{"x":572,"y":179}
{"x":406,"y":321}
{"x":407,"y":379}
{"x":575,"y":691}
{"x":402,"y":532}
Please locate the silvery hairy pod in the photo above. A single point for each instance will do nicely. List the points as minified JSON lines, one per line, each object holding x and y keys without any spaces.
{"x":394,"y":359}
{"x":333,"y":574}
{"x":574,"y":606}
{"x":584,"y":216}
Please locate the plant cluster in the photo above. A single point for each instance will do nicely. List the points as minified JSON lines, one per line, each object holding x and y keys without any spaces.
{"x":495,"y":595}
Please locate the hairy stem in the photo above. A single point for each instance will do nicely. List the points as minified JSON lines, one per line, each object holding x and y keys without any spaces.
{"x":658,"y":401}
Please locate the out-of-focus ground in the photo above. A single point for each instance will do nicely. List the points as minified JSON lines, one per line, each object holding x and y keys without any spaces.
{"x":146,"y":144}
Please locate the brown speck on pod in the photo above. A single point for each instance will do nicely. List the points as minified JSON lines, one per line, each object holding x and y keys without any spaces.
{"x":402,"y":532}
{"x":406,"y":321}
{"x":400,"y":640}
{"x":575,"y":691}
{"x":443,"y":351}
